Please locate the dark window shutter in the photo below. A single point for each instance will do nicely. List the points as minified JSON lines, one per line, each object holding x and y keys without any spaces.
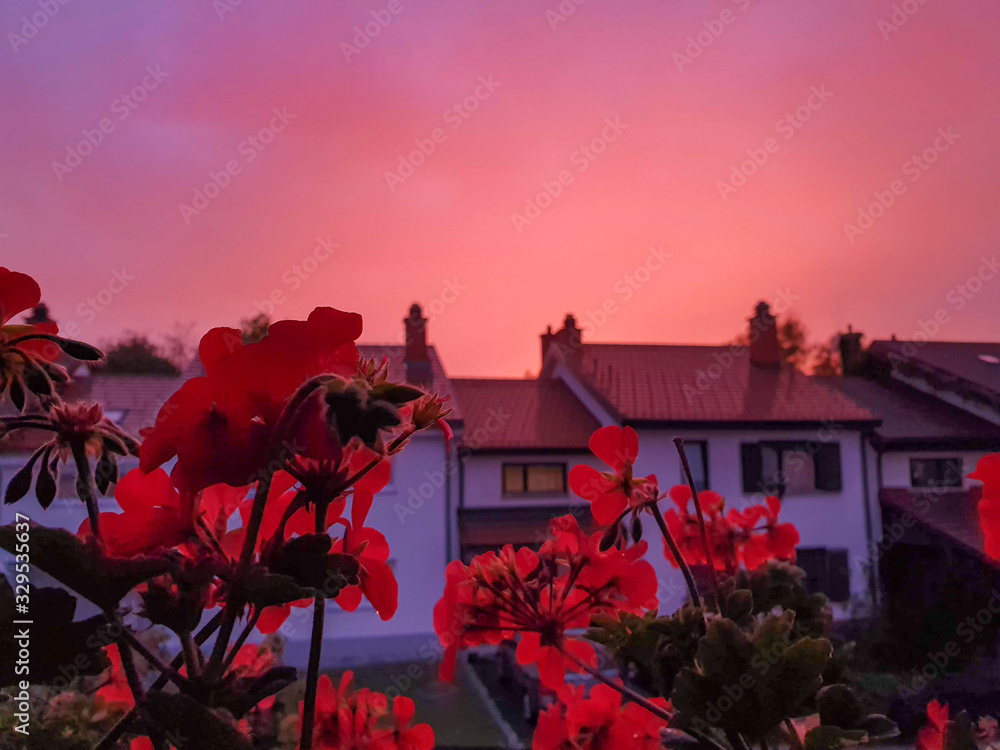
{"x":839,"y":575}
{"x":827,"y":462}
{"x":752,"y":467}
{"x":813,"y":562}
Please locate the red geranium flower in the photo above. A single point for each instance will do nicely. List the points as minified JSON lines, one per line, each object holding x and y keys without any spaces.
{"x":611,"y":493}
{"x":404,"y":736}
{"x":598,"y":722}
{"x":538,"y":597}
{"x":220,"y":425}
{"x":988,"y":472}
{"x":18,"y":359}
{"x":116,"y":690}
{"x":733,"y":538}
{"x":348,"y":718}
{"x":155,"y":515}
{"x":931,"y":737}
{"x":369,"y":548}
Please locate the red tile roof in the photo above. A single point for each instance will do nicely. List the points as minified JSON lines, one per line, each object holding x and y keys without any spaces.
{"x":952,"y":513}
{"x":512,"y":414}
{"x":664,"y":383}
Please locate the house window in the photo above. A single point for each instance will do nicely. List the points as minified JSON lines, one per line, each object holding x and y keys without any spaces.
{"x":696,"y":452}
{"x":827,"y":572}
{"x":926,"y":473}
{"x":791,"y":468}
{"x":534,"y":479}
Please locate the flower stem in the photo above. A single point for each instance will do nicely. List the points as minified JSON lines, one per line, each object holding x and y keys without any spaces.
{"x":312,"y":675}
{"x":85,"y":488}
{"x":628,"y":692}
{"x":679,"y":442}
{"x":675,"y":551}
{"x":115,"y":733}
{"x":233,"y":606}
{"x":315,"y":649}
{"x":251,"y":624}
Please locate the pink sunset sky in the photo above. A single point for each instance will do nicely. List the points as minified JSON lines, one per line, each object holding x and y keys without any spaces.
{"x":647,"y":212}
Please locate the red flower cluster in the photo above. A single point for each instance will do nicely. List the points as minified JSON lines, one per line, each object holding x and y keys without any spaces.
{"x":597,"y":722}
{"x":540,"y":596}
{"x":733,"y":537}
{"x":361,"y":720}
{"x":988,"y":472}
{"x":612,"y":493}
{"x":221,"y":426}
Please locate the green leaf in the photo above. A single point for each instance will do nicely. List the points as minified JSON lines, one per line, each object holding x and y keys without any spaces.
{"x":838,"y":706}
{"x":83,"y":567}
{"x":66,"y":646}
{"x":264,"y":589}
{"x":45,"y":487}
{"x":190,"y":725}
{"x":20,"y":483}
{"x":395,"y":393}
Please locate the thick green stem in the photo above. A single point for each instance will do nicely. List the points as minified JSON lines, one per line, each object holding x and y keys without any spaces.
{"x":676,"y":552}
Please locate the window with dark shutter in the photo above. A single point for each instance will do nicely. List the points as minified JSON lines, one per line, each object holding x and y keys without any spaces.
{"x":827,"y":572}
{"x":752,"y":467}
{"x":839,"y":574}
{"x":784,"y":467}
{"x":827,"y":461}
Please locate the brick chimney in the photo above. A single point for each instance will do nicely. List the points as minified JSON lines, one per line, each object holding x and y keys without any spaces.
{"x":418,"y":361}
{"x":765,"y":350}
{"x":851,"y":354}
{"x":566,"y":343}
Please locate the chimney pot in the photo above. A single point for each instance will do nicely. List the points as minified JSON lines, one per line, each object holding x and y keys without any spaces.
{"x":416,"y":355}
{"x":566,"y":343}
{"x":763,"y":335}
{"x":851,"y":353}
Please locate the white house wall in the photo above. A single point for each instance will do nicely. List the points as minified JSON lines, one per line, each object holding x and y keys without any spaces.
{"x":896,"y":465}
{"x":824,"y":519}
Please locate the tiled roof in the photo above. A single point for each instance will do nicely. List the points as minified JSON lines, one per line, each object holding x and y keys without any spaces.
{"x":951,"y":513}
{"x":978,"y":364}
{"x":707,"y":384}
{"x":911,"y":416}
{"x":511,"y":414}
{"x":132,"y":401}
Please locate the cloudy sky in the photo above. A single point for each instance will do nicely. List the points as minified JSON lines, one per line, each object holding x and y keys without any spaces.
{"x":653,"y":167}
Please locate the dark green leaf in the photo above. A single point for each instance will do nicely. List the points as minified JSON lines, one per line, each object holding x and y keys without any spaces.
{"x":20,"y":483}
{"x":636,"y":529}
{"x":396,"y":394}
{"x":17,"y":393}
{"x":83,"y":568}
{"x":190,"y":725}
{"x":45,"y":487}
{"x":106,"y":472}
{"x":68,"y":647}
{"x":838,"y":706}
